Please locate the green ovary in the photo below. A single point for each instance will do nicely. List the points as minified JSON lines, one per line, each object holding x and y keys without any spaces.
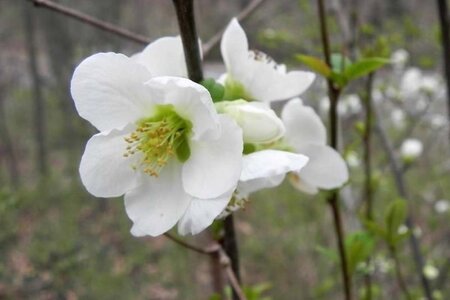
{"x":158,"y":138}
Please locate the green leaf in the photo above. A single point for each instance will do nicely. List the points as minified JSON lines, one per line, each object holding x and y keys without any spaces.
{"x":394,"y":216}
{"x":359,"y":246}
{"x":215,"y":89}
{"x":375,"y":229}
{"x":339,"y":63}
{"x":315,"y":64}
{"x":363,"y":67}
{"x":331,"y":254}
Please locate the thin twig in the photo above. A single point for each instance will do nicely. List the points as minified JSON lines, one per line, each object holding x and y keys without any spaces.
{"x":208,"y":251}
{"x":231,"y":275}
{"x":246,"y":12}
{"x":398,"y":274}
{"x":401,"y":189}
{"x":368,"y":187}
{"x":84,"y":18}
{"x":214,"y":250}
{"x":333,"y":200}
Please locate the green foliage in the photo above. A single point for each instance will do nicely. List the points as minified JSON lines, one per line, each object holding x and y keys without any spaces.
{"x":256,"y":292}
{"x":359,"y":246}
{"x":315,"y":64}
{"x":363,"y":67}
{"x":343,"y":70}
{"x":394,"y":217}
{"x":215,"y":89}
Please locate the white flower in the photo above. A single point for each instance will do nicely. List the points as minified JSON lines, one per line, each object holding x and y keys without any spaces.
{"x":430,"y":271}
{"x":266,"y":169}
{"x":349,"y":105}
{"x":399,"y":58}
{"x":414,"y":81}
{"x":261,"y":170}
{"x":164,"y":57}
{"x":352,"y":159}
{"x":306,"y":133}
{"x":161,"y":143}
{"x":259,"y":123}
{"x":411,"y":149}
{"x":253,"y":75}
{"x":398,"y":118}
{"x":441,"y":206}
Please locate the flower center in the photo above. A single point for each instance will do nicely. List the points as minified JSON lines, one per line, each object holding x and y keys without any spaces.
{"x":158,"y":138}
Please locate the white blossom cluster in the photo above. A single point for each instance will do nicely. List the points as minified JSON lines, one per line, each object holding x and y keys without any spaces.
{"x":181,"y":158}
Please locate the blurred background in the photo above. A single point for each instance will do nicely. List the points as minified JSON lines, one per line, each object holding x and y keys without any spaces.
{"x":58,"y":242}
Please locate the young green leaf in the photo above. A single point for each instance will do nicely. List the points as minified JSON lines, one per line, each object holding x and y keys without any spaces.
{"x":315,"y":64}
{"x":363,"y":67}
{"x":340,"y":63}
{"x":359,"y":246}
{"x":394,"y":216}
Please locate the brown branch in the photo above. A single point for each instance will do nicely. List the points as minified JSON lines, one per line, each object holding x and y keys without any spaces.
{"x":214,"y":250}
{"x":208,"y":251}
{"x":231,"y":275}
{"x":215,"y":39}
{"x":333,"y":200}
{"x":84,"y":18}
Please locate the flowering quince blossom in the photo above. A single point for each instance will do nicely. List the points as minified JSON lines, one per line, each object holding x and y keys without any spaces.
{"x":252,"y":75}
{"x":306,"y":134}
{"x":411,"y":149}
{"x":161,"y":143}
{"x":259,"y":123}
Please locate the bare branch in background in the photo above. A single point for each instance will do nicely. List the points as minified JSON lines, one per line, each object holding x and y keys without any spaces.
{"x":402,"y":191}
{"x":7,"y":147}
{"x":84,"y":18}
{"x":215,"y":39}
{"x":38,"y":98}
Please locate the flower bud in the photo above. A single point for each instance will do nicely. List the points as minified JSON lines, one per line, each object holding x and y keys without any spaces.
{"x":259,"y":122}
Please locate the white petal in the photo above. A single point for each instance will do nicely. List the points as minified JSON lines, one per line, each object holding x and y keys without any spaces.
{"x":214,"y":166}
{"x":326,"y":168}
{"x":245,"y":188}
{"x":104,"y":171}
{"x":158,"y":203}
{"x":269,"y":163}
{"x":202,"y":212}
{"x":301,"y":185}
{"x":108,"y":90}
{"x":164,"y":57}
{"x":303,"y":125}
{"x":234,"y":46}
{"x":265,"y":83}
{"x":258,"y":121}
{"x":191,"y":101}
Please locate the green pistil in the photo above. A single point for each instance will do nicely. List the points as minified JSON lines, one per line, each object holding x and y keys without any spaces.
{"x":158,"y":138}
{"x":235,"y":90}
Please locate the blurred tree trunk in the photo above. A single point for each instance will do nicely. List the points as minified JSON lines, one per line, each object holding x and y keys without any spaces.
{"x":60,"y":51}
{"x":6,"y":146}
{"x":39,"y":123}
